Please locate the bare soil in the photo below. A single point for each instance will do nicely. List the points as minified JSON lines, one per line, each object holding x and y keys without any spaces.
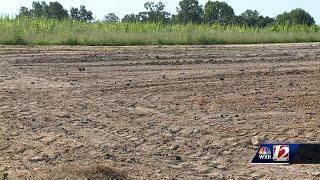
{"x":155,"y":112}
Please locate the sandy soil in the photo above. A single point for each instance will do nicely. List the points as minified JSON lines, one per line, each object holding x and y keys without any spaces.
{"x":160,"y":112}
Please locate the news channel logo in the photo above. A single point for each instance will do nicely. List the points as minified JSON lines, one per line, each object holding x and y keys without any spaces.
{"x":280,"y":153}
{"x":287,"y":154}
{"x":265,"y":153}
{"x":274,"y":154}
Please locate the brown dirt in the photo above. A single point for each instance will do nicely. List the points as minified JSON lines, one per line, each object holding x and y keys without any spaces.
{"x":160,"y":112}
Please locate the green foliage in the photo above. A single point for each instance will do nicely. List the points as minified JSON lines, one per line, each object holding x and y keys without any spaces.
{"x":296,"y":16}
{"x":111,"y":18}
{"x":264,"y":21}
{"x":218,"y":12}
{"x":81,"y":14}
{"x":130,"y":18}
{"x":189,"y":11}
{"x":25,"y":12}
{"x":250,"y":17}
{"x":41,"y":31}
{"x":39,"y":9}
{"x":72,"y":41}
{"x":52,"y":11}
{"x":56,"y":11}
{"x":155,"y":13}
{"x":16,"y":39}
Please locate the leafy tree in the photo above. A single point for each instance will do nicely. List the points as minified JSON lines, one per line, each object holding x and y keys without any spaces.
{"x":85,"y":15}
{"x":189,"y":11}
{"x":296,"y":16}
{"x":130,"y":18}
{"x":155,"y":13}
{"x":56,"y":11}
{"x":218,"y":12}
{"x":81,"y":14}
{"x":41,"y":9}
{"x":174,"y":19}
{"x":237,"y":20}
{"x":25,"y":12}
{"x":74,"y":14}
{"x":264,"y":21}
{"x":251,"y":17}
{"x":142,"y":17}
{"x":111,"y":18}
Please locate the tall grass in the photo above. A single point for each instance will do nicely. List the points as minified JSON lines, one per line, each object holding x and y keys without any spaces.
{"x":68,"y":32}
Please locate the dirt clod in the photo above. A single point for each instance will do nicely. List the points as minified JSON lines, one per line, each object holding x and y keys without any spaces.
{"x":257,"y":140}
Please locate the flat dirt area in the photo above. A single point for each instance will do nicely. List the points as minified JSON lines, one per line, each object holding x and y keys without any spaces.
{"x":155,"y":112}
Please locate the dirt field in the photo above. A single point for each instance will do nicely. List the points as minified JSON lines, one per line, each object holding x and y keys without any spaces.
{"x":162,"y":112}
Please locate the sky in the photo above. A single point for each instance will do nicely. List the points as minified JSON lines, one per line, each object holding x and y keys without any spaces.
{"x":121,"y":7}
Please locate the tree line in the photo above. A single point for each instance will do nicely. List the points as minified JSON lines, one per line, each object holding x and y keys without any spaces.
{"x":54,"y":10}
{"x":188,"y":11}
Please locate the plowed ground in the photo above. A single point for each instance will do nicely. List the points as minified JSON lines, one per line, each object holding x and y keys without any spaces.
{"x":185,"y":112}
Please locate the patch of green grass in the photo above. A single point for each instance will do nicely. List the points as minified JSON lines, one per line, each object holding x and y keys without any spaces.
{"x":68,"y":32}
{"x":3,"y":175}
{"x":71,"y":41}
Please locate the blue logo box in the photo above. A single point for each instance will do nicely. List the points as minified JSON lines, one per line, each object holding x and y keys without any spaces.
{"x":278,"y":153}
